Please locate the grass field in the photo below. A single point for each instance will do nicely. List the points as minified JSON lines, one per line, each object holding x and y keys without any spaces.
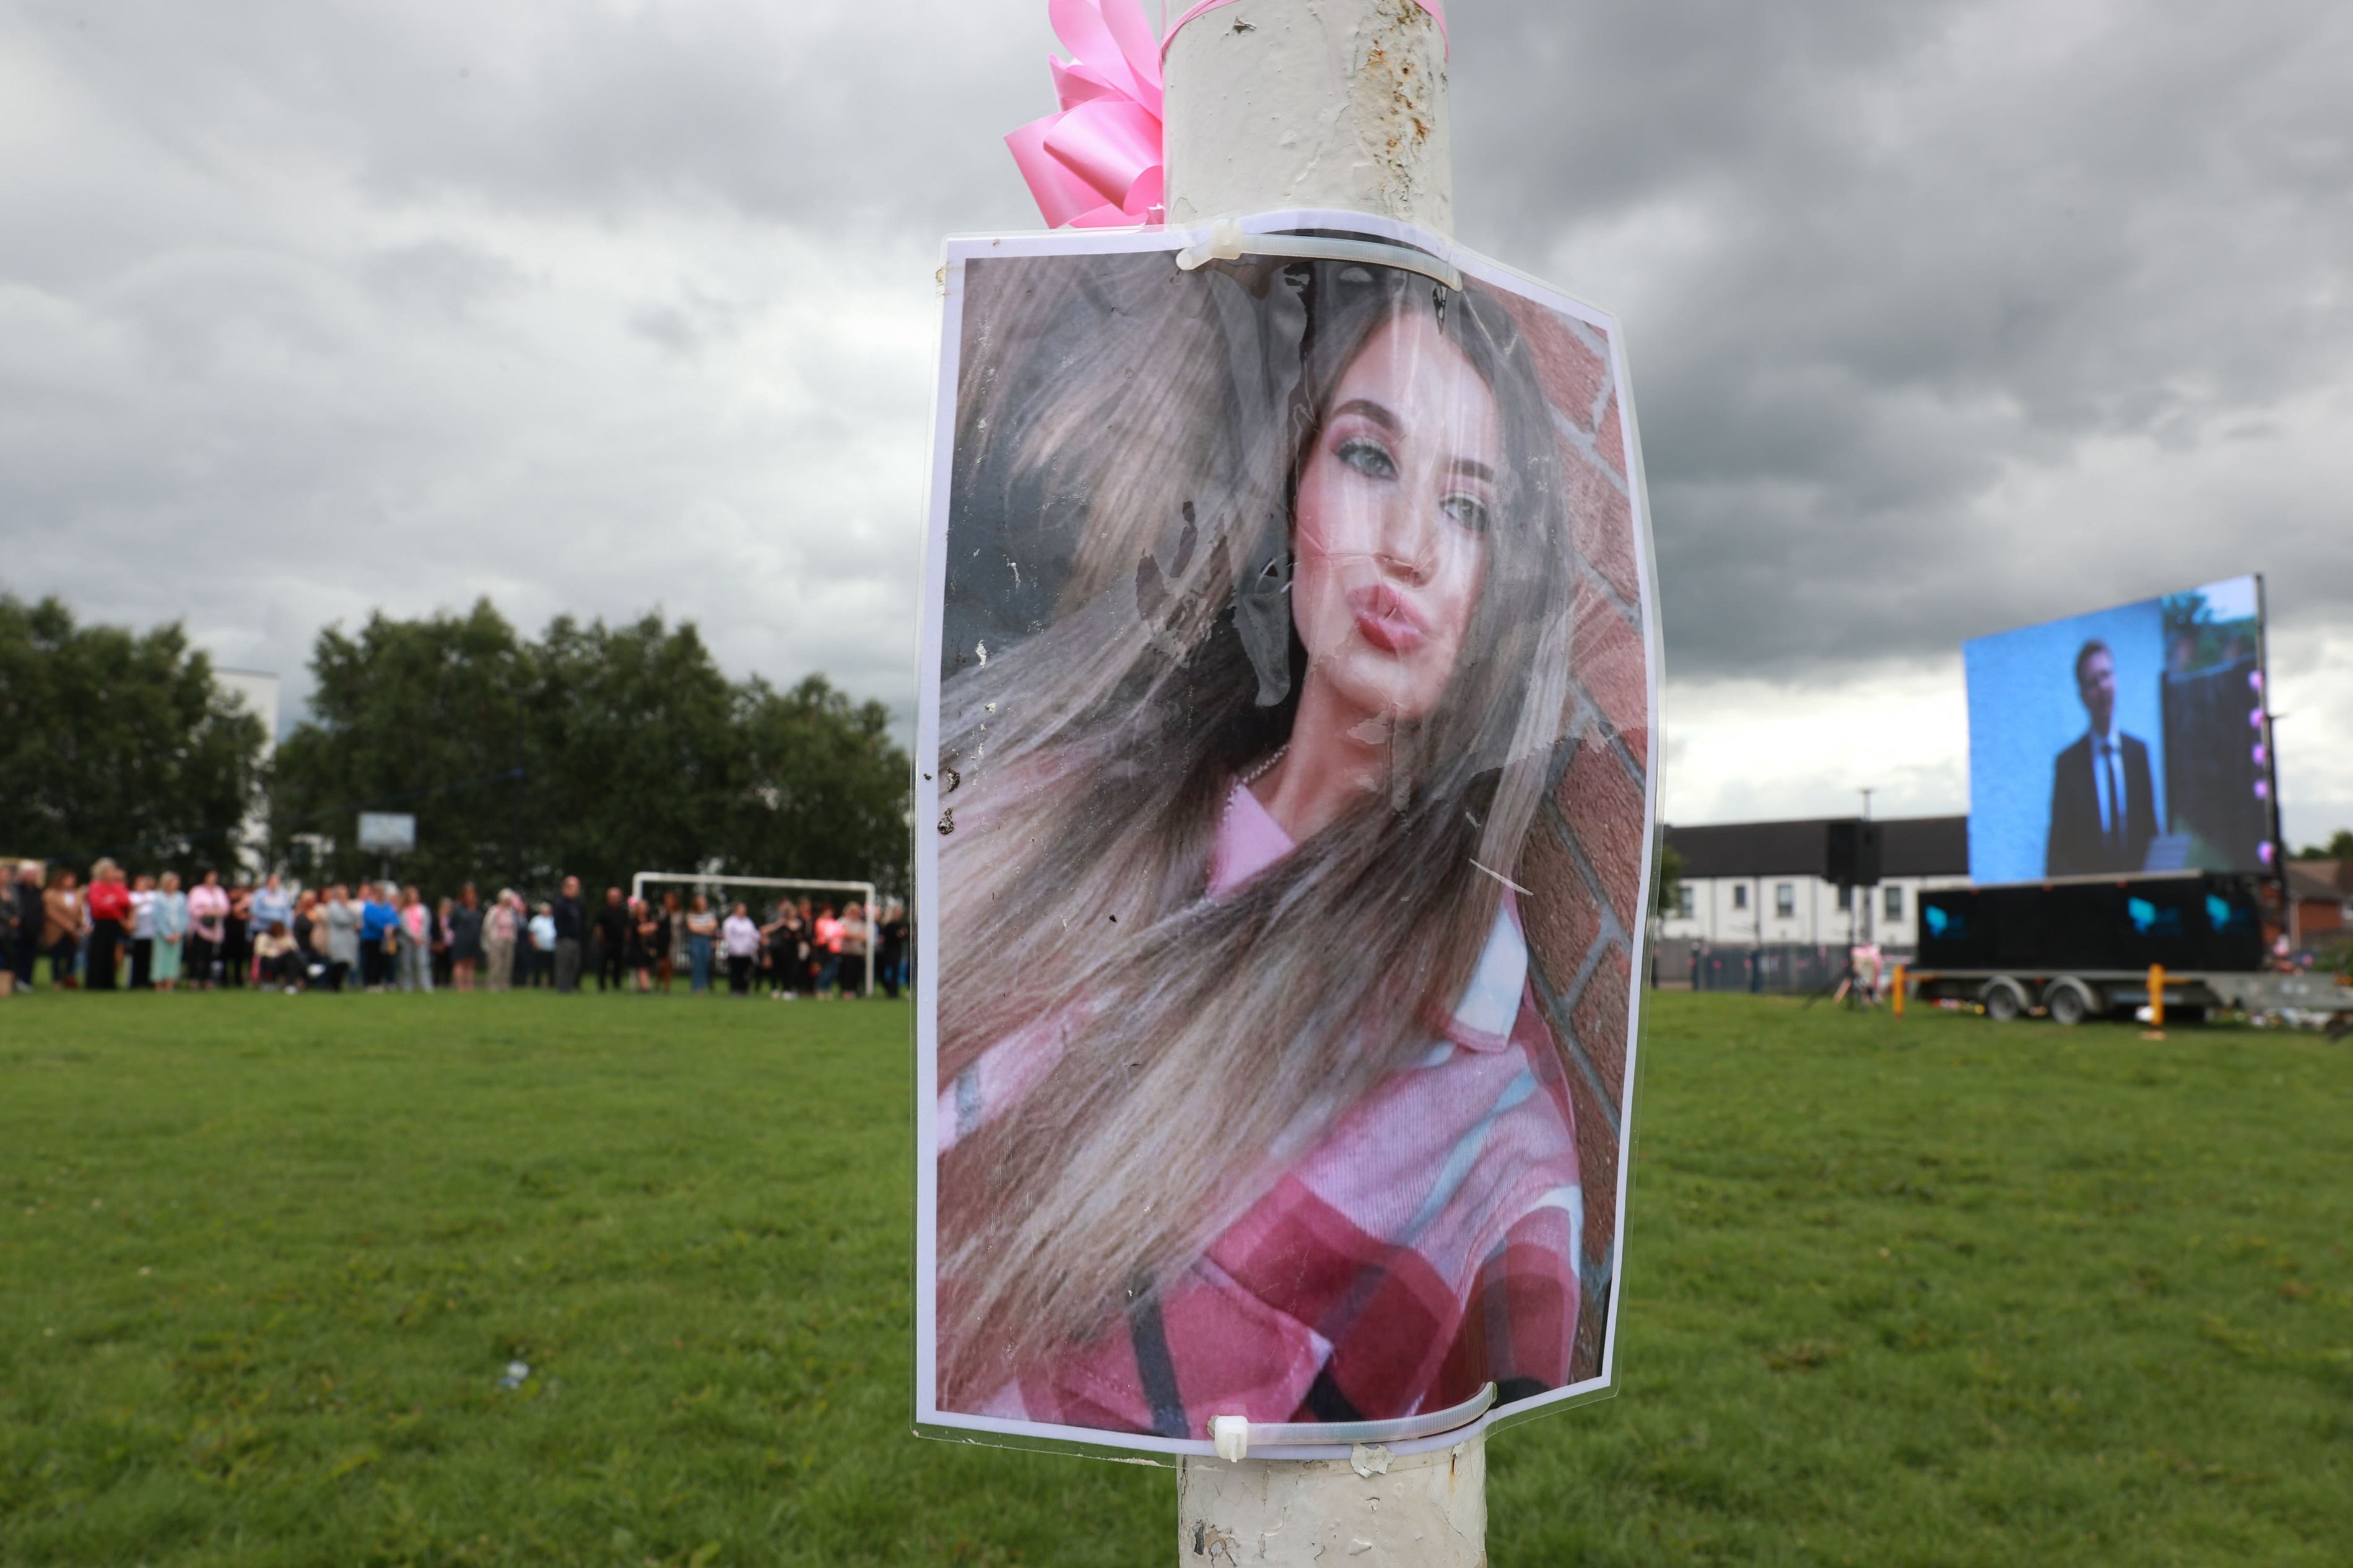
{"x":1937,"y":1293}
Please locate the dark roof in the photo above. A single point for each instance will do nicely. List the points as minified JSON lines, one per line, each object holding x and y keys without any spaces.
{"x":1924,"y":847}
{"x":1798,"y":848}
{"x":1909,"y":847}
{"x":2322,"y":879}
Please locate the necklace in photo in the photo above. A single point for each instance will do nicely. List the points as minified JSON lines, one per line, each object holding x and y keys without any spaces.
{"x":1260,"y":771}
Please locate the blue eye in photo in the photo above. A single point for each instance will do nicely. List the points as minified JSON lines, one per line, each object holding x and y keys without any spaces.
{"x":1368,"y":458}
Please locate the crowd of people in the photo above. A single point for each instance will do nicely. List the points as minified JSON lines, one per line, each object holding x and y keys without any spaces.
{"x":149,"y":932}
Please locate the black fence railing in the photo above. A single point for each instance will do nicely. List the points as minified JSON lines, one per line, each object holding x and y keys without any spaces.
{"x":1779,"y":968}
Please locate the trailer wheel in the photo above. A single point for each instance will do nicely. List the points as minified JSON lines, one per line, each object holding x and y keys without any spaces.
{"x":2004,"y":999}
{"x":2069,"y":1001}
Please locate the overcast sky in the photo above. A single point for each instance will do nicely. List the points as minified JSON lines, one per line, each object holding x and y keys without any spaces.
{"x":1943,"y":318}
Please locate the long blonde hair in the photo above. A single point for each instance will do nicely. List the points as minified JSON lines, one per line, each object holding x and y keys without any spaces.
{"x":1204,"y":1046}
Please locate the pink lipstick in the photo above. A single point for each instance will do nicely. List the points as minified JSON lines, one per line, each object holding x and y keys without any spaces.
{"x":1386,"y":620}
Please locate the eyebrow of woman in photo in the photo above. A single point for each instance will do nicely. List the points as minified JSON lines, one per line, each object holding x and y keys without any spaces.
{"x":1239,"y":816}
{"x":1469,"y":468}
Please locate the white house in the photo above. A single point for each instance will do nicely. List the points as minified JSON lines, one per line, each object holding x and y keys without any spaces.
{"x":1761,"y":883}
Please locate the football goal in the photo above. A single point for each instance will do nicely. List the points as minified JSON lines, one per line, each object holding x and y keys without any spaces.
{"x":704,"y":883}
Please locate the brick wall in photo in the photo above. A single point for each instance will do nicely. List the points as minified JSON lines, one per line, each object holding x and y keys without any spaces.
{"x":1584,"y":861}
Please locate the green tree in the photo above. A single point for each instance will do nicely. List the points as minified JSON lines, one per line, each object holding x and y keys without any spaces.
{"x":825,"y":786}
{"x":114,"y":742}
{"x":425,"y":717}
{"x":1671,"y":879}
{"x":634,"y":760}
{"x":597,"y":751}
{"x":2338,"y":848}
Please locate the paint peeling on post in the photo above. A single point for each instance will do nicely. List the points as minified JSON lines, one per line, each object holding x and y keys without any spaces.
{"x":1428,"y":1509}
{"x":1311,"y":103}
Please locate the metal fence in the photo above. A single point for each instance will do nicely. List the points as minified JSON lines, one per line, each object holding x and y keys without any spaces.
{"x":1781,"y":968}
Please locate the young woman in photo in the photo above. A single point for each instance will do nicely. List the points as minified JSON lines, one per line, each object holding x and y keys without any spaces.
{"x":1245,"y":1103}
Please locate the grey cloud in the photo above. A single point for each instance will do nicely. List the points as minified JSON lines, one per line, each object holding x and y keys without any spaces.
{"x":452,"y":278}
{"x":306,"y":308}
{"x":806,"y":113}
{"x":322,"y":309}
{"x":1931,"y":247}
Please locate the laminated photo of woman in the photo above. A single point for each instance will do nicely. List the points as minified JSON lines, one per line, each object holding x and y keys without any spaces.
{"x":1256,"y":670}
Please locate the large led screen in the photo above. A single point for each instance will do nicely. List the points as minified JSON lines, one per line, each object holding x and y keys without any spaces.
{"x":2123,"y":742}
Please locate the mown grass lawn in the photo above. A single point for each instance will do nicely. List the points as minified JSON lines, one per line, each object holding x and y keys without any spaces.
{"x":1937,"y":1293}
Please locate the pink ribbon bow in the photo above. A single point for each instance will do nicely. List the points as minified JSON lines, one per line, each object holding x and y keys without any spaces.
{"x":1096,"y":163}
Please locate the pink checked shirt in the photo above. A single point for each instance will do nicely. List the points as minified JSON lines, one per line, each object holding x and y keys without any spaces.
{"x":1427,"y":1244}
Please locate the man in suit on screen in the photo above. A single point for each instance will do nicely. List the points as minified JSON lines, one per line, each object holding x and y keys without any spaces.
{"x":2103,"y":805}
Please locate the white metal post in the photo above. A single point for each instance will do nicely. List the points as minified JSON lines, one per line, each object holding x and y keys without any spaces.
{"x":1342,"y":104}
{"x":1309,"y":103}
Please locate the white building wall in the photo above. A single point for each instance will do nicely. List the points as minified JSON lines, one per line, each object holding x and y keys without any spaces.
{"x":1716,"y":915}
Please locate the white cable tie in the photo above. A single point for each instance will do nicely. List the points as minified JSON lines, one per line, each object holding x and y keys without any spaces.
{"x":1227,"y":243}
{"x":1501,"y":878}
{"x":1231,"y":1434}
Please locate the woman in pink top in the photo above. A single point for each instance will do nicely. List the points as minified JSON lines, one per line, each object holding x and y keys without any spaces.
{"x":1246,"y":1105}
{"x":208,"y":929}
{"x":825,"y":948}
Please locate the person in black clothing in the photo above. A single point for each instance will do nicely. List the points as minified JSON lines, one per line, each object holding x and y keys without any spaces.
{"x":801,"y":955}
{"x":779,"y":950}
{"x":892,"y":954}
{"x":465,"y":937}
{"x":648,"y":933}
{"x":143,"y":948}
{"x":20,"y":920}
{"x":571,"y":931}
{"x":613,"y":934}
{"x":237,"y":942}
